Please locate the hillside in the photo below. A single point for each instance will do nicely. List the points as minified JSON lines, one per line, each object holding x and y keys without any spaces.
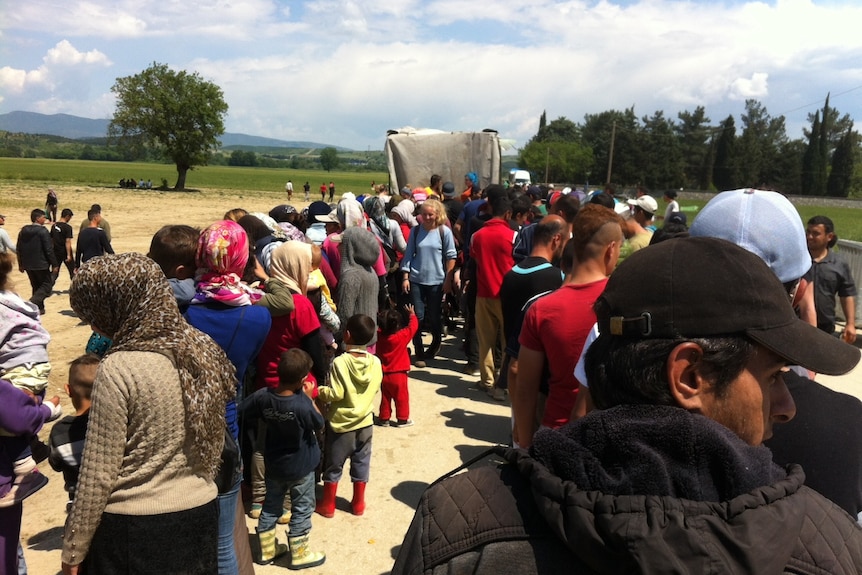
{"x":76,"y":127}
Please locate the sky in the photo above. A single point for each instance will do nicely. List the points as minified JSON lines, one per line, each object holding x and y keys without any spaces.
{"x":343,"y":72}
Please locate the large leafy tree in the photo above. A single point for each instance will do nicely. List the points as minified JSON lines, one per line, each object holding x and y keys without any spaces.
{"x":759,"y":145}
{"x":694,"y":133}
{"x":180,"y":115}
{"x":556,"y":151}
{"x":662,"y":165}
{"x":329,"y":158}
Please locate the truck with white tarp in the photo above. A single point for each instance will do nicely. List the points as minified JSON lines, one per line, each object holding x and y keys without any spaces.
{"x":413,"y":155}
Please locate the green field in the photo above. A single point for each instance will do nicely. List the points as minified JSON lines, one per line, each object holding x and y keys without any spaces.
{"x":89,"y":173}
{"x":848,"y":220}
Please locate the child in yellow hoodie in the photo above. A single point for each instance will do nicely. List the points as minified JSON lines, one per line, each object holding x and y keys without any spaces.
{"x":354,"y":380}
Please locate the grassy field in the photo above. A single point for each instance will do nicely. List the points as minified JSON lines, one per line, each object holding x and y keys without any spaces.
{"x":90,"y":173}
{"x":254,"y":181}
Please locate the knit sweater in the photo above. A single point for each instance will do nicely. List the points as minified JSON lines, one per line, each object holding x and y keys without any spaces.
{"x":137,"y":454}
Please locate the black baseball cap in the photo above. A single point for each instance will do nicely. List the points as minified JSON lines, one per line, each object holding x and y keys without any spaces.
{"x":707,"y":287}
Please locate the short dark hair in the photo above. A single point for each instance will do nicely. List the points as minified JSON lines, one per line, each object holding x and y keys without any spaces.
{"x":435,"y":179}
{"x":567,"y":260}
{"x":255,"y":228}
{"x":80,"y":385}
{"x":66,"y":212}
{"x":92,"y":214}
{"x":96,"y":208}
{"x":672,"y":194}
{"x":361,"y":328}
{"x":36,"y":214}
{"x":521,"y":204}
{"x":174,"y":245}
{"x":567,"y":207}
{"x":828,"y":227}
{"x":293,"y":366}
{"x":602,"y":199}
{"x":499,"y":204}
{"x":633,"y":371}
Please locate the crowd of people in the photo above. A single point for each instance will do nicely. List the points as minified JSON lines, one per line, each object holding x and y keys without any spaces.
{"x":642,"y":389}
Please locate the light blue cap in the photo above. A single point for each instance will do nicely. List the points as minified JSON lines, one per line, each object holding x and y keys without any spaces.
{"x":764,"y":223}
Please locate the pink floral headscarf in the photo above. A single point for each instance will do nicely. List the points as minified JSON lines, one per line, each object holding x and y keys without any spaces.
{"x":223,"y":252}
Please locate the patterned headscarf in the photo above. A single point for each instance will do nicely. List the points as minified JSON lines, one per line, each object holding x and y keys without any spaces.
{"x":349,"y":213}
{"x":223,"y":251}
{"x":376,"y":210}
{"x":291,"y":264}
{"x":127,"y":297}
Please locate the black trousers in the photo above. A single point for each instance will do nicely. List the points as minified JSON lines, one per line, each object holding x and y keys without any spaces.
{"x":42,"y":282}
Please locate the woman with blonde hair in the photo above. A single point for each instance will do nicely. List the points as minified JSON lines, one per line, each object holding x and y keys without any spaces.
{"x":427,"y":274}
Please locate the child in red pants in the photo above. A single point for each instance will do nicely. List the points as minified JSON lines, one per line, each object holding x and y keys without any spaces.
{"x":392,"y":340}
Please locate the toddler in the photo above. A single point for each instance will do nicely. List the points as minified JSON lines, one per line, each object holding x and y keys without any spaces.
{"x":24,"y":364}
{"x":392,"y":340}
{"x":354,"y":380}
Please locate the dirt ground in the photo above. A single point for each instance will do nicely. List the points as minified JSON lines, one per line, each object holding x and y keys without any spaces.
{"x":454,"y":420}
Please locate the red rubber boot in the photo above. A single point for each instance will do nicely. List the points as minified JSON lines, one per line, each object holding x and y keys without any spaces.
{"x":326,"y":505}
{"x":358,"y":503}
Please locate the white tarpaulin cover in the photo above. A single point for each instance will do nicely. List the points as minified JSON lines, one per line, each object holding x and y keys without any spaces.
{"x":414,"y":155}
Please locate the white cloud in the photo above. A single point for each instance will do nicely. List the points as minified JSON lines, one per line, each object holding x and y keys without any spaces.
{"x":64,"y":54}
{"x":755,"y":87}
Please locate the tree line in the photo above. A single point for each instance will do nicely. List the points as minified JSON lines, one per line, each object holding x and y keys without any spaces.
{"x":691,"y":152}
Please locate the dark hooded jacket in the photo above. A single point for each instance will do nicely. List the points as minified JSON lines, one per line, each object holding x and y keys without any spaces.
{"x":35,"y":249}
{"x":633,"y":489}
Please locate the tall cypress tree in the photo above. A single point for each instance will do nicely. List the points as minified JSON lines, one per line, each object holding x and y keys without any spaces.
{"x":810,"y":172}
{"x":841,"y":175}
{"x":724,"y":174}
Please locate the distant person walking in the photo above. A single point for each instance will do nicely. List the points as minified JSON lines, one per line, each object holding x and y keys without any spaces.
{"x":331,"y":191}
{"x":6,"y":245}
{"x":51,"y":202}
{"x":307,"y":189}
{"x":61,"y":238}
{"x":288,"y":187}
{"x":323,"y":191}
{"x":92,"y":241}
{"x":103,"y":223}
{"x":36,"y":257}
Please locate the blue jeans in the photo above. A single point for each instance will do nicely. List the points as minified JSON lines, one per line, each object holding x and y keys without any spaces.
{"x":428,"y":307}
{"x":302,"y":503}
{"x":227,"y":564}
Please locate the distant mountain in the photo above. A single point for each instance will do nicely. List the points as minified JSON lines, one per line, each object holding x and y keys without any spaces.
{"x":76,"y":127}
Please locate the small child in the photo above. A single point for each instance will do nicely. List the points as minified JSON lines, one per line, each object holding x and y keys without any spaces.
{"x":392,"y":340}
{"x":291,"y":454}
{"x":24,"y":364}
{"x":354,"y":380}
{"x":318,"y":291}
{"x":67,"y":436}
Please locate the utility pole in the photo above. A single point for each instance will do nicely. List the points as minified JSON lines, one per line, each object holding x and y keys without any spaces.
{"x":611,"y":153}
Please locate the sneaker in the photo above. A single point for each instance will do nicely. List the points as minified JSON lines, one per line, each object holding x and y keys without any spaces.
{"x":404,"y":423}
{"x":255,"y":511}
{"x":471,"y":369}
{"x":23,"y":487}
{"x":420,"y":363}
{"x":381,"y":422}
{"x":39,"y":450}
{"x":497,"y":394}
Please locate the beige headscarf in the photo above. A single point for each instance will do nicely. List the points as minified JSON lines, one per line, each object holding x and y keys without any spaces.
{"x":291,"y":264}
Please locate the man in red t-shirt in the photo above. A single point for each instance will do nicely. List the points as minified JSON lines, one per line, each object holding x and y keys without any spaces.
{"x":491,"y":250}
{"x":556,"y":325}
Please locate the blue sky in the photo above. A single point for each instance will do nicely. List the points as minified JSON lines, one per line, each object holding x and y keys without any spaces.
{"x":343,"y":72}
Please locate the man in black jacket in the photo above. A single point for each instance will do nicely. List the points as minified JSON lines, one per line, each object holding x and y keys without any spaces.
{"x":669,"y":475}
{"x":36,"y":257}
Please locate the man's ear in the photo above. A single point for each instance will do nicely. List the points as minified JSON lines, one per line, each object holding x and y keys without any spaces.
{"x":687,"y":384}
